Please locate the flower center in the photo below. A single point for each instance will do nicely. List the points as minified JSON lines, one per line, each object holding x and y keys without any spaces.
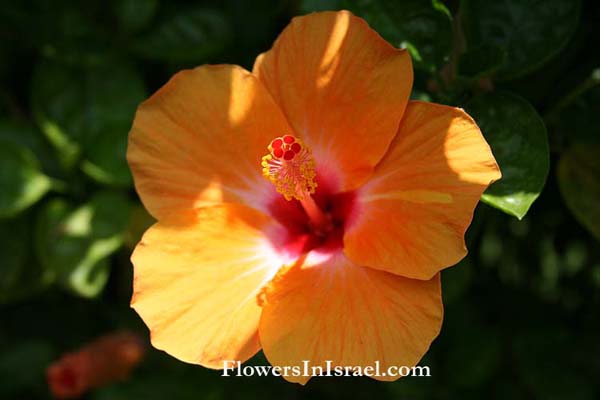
{"x":291,"y":168}
{"x":301,"y":235}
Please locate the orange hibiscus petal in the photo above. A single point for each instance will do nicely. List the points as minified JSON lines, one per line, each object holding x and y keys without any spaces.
{"x":342,"y":88}
{"x":196,"y":280}
{"x":199,"y":140}
{"x":348,"y":315}
{"x":412,"y":215}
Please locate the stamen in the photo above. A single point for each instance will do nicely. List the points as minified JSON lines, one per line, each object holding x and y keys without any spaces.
{"x":290,"y":167}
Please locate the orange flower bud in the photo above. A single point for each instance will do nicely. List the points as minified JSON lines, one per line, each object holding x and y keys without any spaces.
{"x":107,"y":359}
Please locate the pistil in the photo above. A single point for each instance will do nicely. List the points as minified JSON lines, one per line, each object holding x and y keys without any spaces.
{"x":320,"y":221}
{"x":291,"y":168}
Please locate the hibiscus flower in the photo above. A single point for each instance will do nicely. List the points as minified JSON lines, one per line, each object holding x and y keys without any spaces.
{"x":336,"y":254}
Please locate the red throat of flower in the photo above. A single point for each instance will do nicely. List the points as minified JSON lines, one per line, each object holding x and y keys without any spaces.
{"x":291,"y":168}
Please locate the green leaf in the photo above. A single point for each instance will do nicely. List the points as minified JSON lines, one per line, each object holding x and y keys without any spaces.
{"x":579,"y":183}
{"x":105,"y":161}
{"x":76,"y":241}
{"x":518,"y":139}
{"x":191,"y":35}
{"x":19,"y":276}
{"x":30,"y":137}
{"x":530,"y":32}
{"x":134,"y":15}
{"x":21,"y":181}
{"x":481,"y":61}
{"x":423,"y":27}
{"x":87,"y":113}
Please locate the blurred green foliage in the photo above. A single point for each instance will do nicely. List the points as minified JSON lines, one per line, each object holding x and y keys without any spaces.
{"x":521,"y":318}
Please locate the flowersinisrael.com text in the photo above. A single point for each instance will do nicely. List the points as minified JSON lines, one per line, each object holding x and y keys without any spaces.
{"x":235,"y":368}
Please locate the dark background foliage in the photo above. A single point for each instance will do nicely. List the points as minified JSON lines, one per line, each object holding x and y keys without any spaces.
{"x":521,"y":311}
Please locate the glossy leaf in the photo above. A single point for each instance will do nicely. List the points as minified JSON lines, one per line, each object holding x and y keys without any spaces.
{"x":481,"y":61}
{"x":518,"y":139}
{"x":530,"y":32}
{"x":189,"y":35}
{"x":78,"y":111}
{"x":423,"y":27}
{"x":579,"y":182}
{"x":22,"y":182}
{"x":76,"y":241}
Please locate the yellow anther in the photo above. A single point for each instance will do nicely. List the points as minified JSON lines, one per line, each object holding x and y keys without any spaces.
{"x":290,"y":167}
